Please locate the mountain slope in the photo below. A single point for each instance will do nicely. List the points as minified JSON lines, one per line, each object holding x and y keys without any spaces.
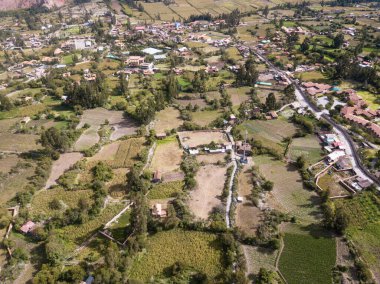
{"x":22,"y":4}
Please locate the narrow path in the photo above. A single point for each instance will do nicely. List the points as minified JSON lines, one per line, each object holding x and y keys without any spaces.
{"x":229,"y":198}
{"x":282,"y":245}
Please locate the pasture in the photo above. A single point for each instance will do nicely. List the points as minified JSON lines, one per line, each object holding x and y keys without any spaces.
{"x":210,"y":182}
{"x":198,"y":250}
{"x":167,"y":119}
{"x":288,"y":194}
{"x":308,"y":257}
{"x":269,"y":132}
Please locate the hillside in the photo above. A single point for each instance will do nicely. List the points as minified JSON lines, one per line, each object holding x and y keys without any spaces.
{"x":22,"y":4}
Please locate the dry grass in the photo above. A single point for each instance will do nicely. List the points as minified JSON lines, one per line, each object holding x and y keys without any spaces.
{"x":167,"y":119}
{"x":206,"y":196}
{"x":211,"y":158}
{"x":197,"y":138}
{"x":167,"y":156}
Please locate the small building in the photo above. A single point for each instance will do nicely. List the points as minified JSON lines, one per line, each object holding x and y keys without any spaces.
{"x":25,"y":120}
{"x":242,"y":147}
{"x":158,"y":210}
{"x":28,"y":227}
{"x":161,"y":135}
{"x":334,"y":156}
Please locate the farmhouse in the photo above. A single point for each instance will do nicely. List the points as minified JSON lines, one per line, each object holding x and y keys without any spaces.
{"x":28,"y":227}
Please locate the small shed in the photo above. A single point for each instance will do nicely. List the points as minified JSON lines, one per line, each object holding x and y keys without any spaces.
{"x":28,"y":227}
{"x":157,"y":177}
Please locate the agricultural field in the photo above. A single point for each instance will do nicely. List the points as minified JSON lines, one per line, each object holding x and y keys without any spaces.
{"x":194,"y":139}
{"x":41,"y":202}
{"x":238,"y":95}
{"x":166,"y":190}
{"x":364,"y":224}
{"x":198,"y":250}
{"x":270,"y":132}
{"x":167,"y":119}
{"x":308,"y":146}
{"x":288,"y":194}
{"x":119,"y":154}
{"x":308,"y":257}
{"x":79,"y":233}
{"x":258,"y":257}
{"x":167,"y":156}
{"x":210,"y":181}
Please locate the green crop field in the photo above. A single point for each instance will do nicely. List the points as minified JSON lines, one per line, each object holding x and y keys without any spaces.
{"x":307,"y":259}
{"x":165,"y":190}
{"x":364,"y":226}
{"x":198,"y":250}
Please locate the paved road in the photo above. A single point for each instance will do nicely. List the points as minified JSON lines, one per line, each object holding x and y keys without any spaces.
{"x":339,"y":130}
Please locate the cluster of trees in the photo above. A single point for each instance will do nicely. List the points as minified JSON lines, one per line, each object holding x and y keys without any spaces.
{"x":87,"y":94}
{"x":247,"y":73}
{"x":190,"y":167}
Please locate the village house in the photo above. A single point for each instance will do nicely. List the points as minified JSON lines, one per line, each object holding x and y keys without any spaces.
{"x":28,"y":227}
{"x":242,"y":147}
{"x":315,"y":89}
{"x":334,"y":156}
{"x":159,"y":211}
{"x":135,"y":61}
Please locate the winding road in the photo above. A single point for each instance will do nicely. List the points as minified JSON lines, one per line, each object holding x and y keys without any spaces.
{"x":342,"y":133}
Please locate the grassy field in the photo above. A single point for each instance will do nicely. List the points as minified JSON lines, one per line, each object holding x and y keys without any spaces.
{"x":307,"y":258}
{"x":308,"y":146}
{"x":259,"y":257}
{"x":269,"y":132}
{"x":370,"y":99}
{"x":165,"y":190}
{"x":167,"y":119}
{"x":288,"y":194}
{"x":198,"y":250}
{"x":204,"y":118}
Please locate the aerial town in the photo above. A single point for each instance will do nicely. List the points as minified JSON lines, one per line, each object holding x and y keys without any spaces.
{"x":183,"y":141}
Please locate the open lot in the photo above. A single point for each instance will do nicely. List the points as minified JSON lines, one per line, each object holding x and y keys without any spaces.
{"x":248,"y":216}
{"x":210,"y":181}
{"x":288,"y":194}
{"x":211,"y":158}
{"x":167,"y":119}
{"x":167,"y":156}
{"x":269,"y":132}
{"x":193,"y":139}
{"x":330,"y":181}
{"x":198,"y":250}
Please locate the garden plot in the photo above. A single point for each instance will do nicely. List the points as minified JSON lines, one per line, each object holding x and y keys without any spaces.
{"x":167,"y":156}
{"x":193,"y":139}
{"x":167,"y":119}
{"x":210,"y":182}
{"x":288,"y":194}
{"x":59,"y":166}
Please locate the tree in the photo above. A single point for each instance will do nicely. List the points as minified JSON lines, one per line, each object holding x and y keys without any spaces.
{"x":270,"y":102}
{"x":266,"y":11}
{"x":305,"y":45}
{"x":342,"y":220}
{"x":301,"y":162}
{"x":5,"y":103}
{"x":56,"y":249}
{"x":338,"y":40}
{"x":102,"y":172}
{"x":172,"y":89}
{"x":55,"y":140}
